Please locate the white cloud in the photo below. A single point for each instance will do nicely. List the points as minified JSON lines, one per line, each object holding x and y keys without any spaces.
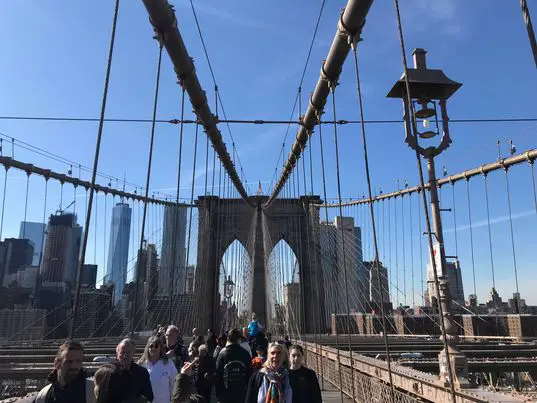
{"x":495,"y":220}
{"x":440,"y":15}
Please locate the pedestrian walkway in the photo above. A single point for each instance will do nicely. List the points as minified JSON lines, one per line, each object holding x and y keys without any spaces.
{"x":332,"y":395}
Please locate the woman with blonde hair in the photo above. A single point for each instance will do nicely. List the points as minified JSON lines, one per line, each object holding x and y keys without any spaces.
{"x":162,"y":371}
{"x":271,"y":383}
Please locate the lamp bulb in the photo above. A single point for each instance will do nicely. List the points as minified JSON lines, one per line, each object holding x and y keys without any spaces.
{"x":426,"y":123}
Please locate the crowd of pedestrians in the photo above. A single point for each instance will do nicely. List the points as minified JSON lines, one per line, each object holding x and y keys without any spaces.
{"x":170,"y":372}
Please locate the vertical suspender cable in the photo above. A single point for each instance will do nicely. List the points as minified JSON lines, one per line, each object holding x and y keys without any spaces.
{"x":148,"y":178}
{"x":26,"y":204}
{"x":373,"y":226}
{"x":403,"y":242}
{"x":411,"y":251}
{"x":529,"y":28}
{"x":517,"y":307}
{"x":531,"y":162}
{"x":420,"y":231}
{"x":177,"y":211}
{"x":44,"y":221}
{"x":471,"y":231}
{"x":396,"y":248}
{"x":214,"y":170}
{"x":343,"y":246}
{"x":424,"y":197}
{"x":455,"y":218}
{"x":326,"y":217}
{"x":3,"y":202}
{"x":94,"y":172}
{"x":207,"y":161}
{"x":192,"y":193}
{"x":489,"y":231}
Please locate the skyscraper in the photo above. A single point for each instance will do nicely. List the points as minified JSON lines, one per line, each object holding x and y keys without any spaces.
{"x":454,"y":277}
{"x":62,"y":249}
{"x":291,"y":304}
{"x":174,"y":227}
{"x":34,"y":231}
{"x":341,"y":244}
{"x":376,"y":273}
{"x":118,"y":251}
{"x":18,"y":253}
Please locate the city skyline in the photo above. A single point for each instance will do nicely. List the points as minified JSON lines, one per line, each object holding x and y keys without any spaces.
{"x":473,"y":143}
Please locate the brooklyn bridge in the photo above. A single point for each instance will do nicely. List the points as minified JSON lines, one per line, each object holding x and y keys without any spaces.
{"x":394,"y":241}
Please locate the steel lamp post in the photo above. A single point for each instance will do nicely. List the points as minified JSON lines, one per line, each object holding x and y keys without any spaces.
{"x":429,"y":90}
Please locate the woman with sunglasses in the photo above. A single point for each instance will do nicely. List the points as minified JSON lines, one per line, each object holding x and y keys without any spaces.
{"x":162,"y":371}
{"x":271,"y":383}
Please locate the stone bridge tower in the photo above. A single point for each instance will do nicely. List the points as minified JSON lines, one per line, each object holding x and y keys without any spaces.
{"x":221,"y":221}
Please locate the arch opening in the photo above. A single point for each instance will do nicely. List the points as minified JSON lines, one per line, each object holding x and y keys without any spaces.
{"x":234,"y":287}
{"x":284,"y":290}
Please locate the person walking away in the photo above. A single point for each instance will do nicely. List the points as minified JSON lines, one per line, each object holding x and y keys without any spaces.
{"x":108,"y":387}
{"x":220,"y":344}
{"x":211,"y":341}
{"x":205,"y":373}
{"x":244,"y":341}
{"x":271,"y":383}
{"x":303,"y":380}
{"x":174,"y":349}
{"x":162,"y":371}
{"x":68,"y":382}
{"x":233,"y":369}
{"x":134,"y":378}
{"x":194,"y":345}
{"x":287,"y":343}
{"x":259,"y":360}
{"x":254,"y":327}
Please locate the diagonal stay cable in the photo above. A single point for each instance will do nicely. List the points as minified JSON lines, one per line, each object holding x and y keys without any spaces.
{"x":148,"y":178}
{"x":219,"y":98}
{"x":299,"y":92}
{"x":76,"y":302}
{"x":373,"y":224}
{"x":424,"y":197}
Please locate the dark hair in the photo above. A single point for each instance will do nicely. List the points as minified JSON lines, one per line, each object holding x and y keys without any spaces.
{"x":261,"y":348}
{"x":195,"y":398}
{"x":69,"y":345}
{"x":297,"y":347}
{"x":234,"y":336}
{"x":110,"y":388}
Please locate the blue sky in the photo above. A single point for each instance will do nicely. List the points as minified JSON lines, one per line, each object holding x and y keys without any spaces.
{"x":54,"y":65}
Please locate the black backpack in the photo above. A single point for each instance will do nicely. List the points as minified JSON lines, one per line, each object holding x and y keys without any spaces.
{"x":235,"y":375}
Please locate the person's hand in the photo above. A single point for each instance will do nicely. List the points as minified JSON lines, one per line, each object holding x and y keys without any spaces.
{"x":187,"y":369}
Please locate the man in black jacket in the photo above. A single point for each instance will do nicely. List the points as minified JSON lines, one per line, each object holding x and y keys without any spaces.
{"x":68,"y":381}
{"x":233,"y":370}
{"x":135,"y":379}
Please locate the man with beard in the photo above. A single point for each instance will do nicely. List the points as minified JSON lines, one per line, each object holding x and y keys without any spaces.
{"x":68,"y":381}
{"x":133,"y":377}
